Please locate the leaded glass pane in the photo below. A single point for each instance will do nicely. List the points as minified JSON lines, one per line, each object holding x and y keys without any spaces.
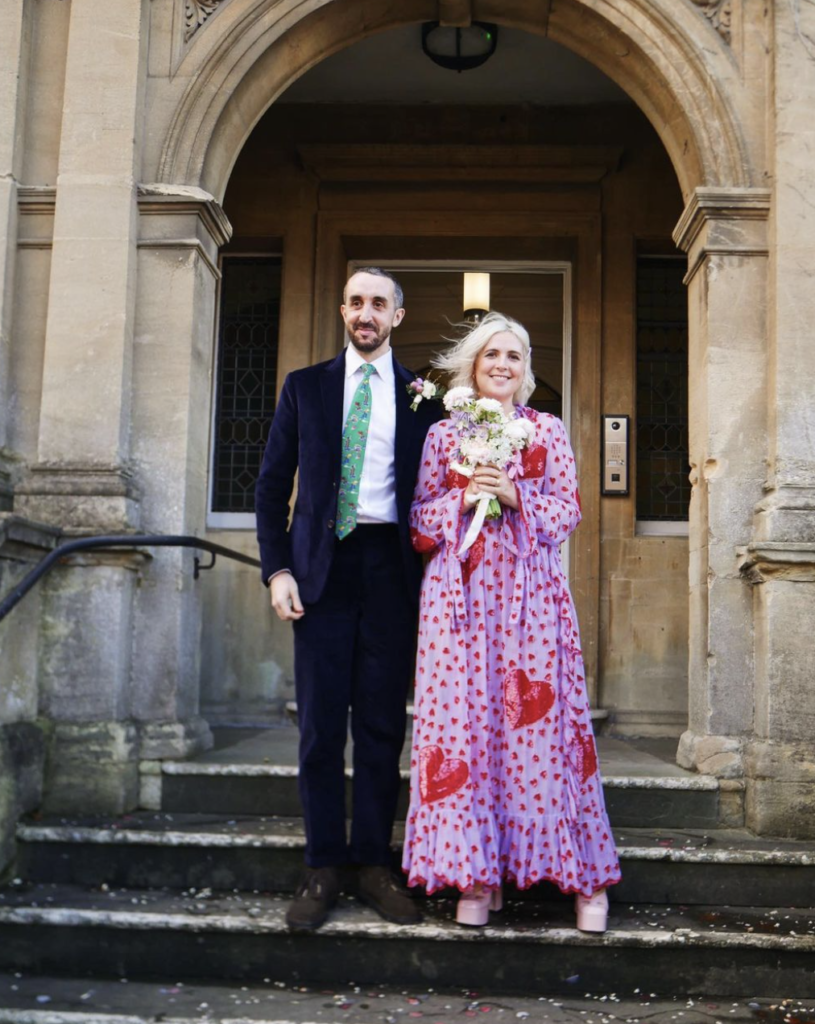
{"x":246,"y":377}
{"x":663,"y":488}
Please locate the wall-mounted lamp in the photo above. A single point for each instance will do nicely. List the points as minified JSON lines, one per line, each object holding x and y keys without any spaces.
{"x":476,"y":296}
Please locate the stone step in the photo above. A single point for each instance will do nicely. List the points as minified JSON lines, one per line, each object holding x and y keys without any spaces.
{"x":261,"y":854}
{"x":530,"y":947}
{"x":684,"y":801}
{"x":108,"y":1001}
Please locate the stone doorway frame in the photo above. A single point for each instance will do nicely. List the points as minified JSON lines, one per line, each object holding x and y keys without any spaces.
{"x":682,"y":69}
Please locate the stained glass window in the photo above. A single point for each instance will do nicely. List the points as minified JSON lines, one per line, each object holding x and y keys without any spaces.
{"x":246,"y":377}
{"x":663,"y":488}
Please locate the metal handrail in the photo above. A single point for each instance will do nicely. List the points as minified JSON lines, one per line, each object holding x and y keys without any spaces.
{"x":17,"y":593}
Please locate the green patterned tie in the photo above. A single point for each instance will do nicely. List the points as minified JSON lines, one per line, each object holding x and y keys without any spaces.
{"x":354,"y":440}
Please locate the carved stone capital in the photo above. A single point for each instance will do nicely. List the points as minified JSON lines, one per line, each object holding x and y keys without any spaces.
{"x":789,"y":562}
{"x":79,"y":498}
{"x":786,"y":515}
{"x":182,"y":217}
{"x":723,"y":221}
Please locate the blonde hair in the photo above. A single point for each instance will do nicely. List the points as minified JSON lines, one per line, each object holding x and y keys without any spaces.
{"x":459,"y":361}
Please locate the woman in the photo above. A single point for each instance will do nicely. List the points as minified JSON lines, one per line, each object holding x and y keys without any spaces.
{"x":504,"y":782}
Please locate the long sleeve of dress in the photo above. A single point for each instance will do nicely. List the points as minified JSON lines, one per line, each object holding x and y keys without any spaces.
{"x":548,"y":496}
{"x":436,"y":515}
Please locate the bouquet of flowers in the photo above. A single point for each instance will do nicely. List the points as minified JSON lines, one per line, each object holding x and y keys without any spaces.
{"x":488,"y":437}
{"x":420,"y":389}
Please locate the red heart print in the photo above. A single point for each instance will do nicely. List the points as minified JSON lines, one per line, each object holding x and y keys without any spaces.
{"x":440,"y":776}
{"x":420,"y":542}
{"x":455,"y":480}
{"x":525,"y":700}
{"x":585,"y":754}
{"x":534,"y":461}
{"x":474,"y":556}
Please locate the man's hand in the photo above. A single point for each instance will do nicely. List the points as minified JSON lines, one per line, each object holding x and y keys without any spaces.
{"x":286,"y":597}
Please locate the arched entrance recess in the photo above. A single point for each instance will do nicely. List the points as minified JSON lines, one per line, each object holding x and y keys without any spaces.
{"x":670,"y":59}
{"x":667,"y":57}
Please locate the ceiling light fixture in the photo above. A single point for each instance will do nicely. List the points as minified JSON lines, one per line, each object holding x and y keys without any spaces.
{"x":459,"y":49}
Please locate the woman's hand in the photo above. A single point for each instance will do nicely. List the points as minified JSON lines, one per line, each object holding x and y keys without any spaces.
{"x":493,"y":481}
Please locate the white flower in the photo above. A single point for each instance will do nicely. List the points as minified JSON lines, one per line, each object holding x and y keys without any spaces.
{"x":479,"y":453}
{"x":428,"y":389}
{"x":488,"y":405}
{"x":457,"y":398}
{"x":520,"y":430}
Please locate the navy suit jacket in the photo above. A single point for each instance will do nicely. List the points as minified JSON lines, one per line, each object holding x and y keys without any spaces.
{"x":306,"y":436}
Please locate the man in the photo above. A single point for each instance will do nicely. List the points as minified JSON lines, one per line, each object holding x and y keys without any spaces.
{"x":346,"y":576}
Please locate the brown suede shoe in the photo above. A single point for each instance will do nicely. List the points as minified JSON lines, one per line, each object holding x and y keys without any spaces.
{"x":377,"y":887}
{"x":315,"y":896}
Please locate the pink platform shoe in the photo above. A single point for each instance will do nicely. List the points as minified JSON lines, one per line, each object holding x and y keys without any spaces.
{"x":592,"y":911}
{"x":473,"y":908}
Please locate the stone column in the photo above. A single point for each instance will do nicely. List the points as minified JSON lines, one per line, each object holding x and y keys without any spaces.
{"x":780,"y":561}
{"x":13,"y":47}
{"x":724,"y":232}
{"x":81,"y":481}
{"x":181,"y":230}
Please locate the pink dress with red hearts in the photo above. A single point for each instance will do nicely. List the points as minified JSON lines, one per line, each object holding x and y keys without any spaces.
{"x":504,"y":780}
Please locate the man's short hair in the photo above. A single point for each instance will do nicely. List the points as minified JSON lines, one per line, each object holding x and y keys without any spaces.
{"x":398,"y":294}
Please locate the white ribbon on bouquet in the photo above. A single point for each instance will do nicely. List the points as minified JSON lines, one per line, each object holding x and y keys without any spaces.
{"x":482,"y":507}
{"x":480,"y":514}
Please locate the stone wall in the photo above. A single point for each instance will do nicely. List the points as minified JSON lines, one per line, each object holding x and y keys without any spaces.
{"x":22,"y":732}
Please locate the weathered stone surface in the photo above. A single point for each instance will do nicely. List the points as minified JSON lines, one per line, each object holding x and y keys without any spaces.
{"x":86,"y":376}
{"x":22,"y":759}
{"x":86,"y":639}
{"x":13,"y":83}
{"x":711,"y":755}
{"x":92,"y":765}
{"x":22,"y":544}
{"x":780,"y":798}
{"x":175,"y":739}
{"x":79,"y":499}
{"x":531,"y":950}
{"x":8,"y":805}
{"x":725,"y":234}
{"x":180,"y":232}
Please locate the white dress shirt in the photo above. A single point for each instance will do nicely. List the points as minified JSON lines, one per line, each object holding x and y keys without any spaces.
{"x":377,"y":487}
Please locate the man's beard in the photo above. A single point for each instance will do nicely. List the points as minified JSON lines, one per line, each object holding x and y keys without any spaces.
{"x":368,"y":344}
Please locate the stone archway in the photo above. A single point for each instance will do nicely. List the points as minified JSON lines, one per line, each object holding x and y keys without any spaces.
{"x":678,"y":66}
{"x":674,"y":65}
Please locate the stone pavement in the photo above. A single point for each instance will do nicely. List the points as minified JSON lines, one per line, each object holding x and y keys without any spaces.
{"x":38,"y":1000}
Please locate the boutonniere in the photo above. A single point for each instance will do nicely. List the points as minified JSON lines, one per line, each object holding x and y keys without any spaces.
{"x":423,"y":389}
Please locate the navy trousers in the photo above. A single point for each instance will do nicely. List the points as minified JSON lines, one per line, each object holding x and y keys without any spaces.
{"x":354,"y":649}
